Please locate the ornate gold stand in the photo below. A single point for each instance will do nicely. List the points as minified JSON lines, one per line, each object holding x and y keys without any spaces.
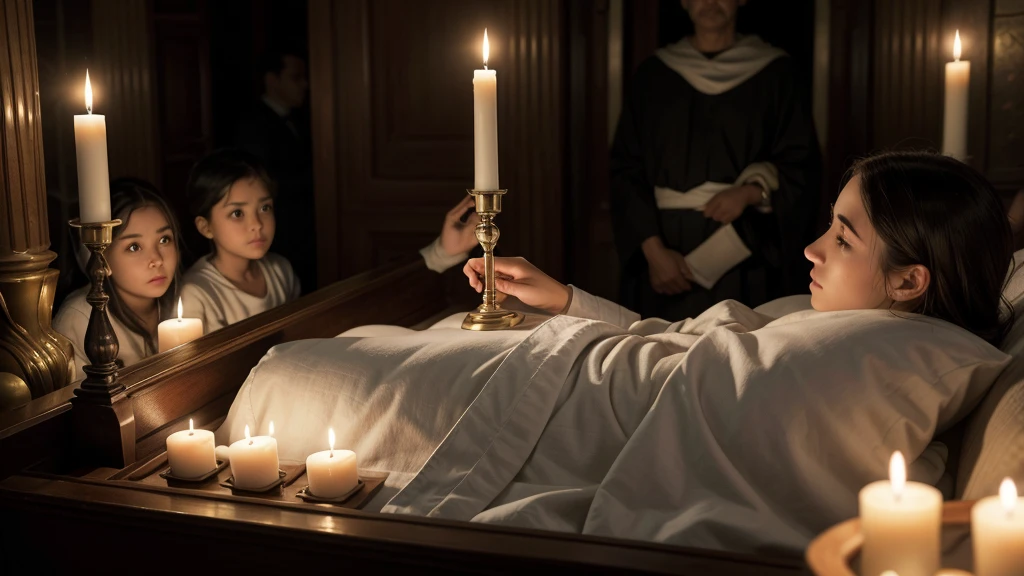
{"x":489,"y":316}
{"x":104,"y":419}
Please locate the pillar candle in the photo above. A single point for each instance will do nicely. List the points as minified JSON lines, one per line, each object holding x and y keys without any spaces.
{"x":997,"y":533}
{"x":485,"y":125}
{"x":191,"y":452}
{"x":254,"y":461}
{"x":954,"y":124}
{"x":91,"y":151}
{"x":331,"y":473}
{"x":175,"y":332}
{"x":902,"y":525}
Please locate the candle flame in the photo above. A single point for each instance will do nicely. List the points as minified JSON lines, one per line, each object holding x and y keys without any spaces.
{"x":88,"y":92}
{"x":956,"y":47}
{"x":247,"y":434}
{"x":487,"y":49}
{"x":179,"y":308}
{"x":897,"y":473}
{"x":190,"y":429}
{"x":271,"y":427}
{"x":330,"y":440}
{"x":1008,"y":495}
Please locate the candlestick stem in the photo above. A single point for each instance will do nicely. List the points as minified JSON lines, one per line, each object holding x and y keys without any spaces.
{"x":489,"y":315}
{"x":101,"y":346}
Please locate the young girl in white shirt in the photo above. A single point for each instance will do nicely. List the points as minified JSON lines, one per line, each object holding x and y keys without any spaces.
{"x":231,"y":197}
{"x":142,"y":286}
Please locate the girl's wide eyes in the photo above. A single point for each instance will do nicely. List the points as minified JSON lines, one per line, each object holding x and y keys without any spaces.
{"x":236,"y":214}
{"x":165,"y":239}
{"x":133,"y":247}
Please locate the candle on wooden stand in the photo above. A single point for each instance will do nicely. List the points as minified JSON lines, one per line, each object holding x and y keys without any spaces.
{"x":954,"y":122}
{"x":191,"y":452}
{"x":175,"y":332}
{"x":997,"y":533}
{"x":331,"y":473}
{"x":254,"y":462}
{"x":91,"y":153}
{"x":902,"y":524}
{"x":485,"y":125}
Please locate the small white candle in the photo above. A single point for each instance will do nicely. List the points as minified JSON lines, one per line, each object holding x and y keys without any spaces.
{"x":254,"y":462}
{"x":485,"y":125}
{"x":997,"y":533}
{"x":191,"y":452}
{"x":331,"y":473}
{"x":175,"y":332}
{"x":902,"y":523}
{"x":91,"y":151}
{"x":954,"y":124}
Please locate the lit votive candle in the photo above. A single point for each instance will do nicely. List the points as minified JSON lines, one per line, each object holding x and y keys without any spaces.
{"x":191,"y":452}
{"x":175,"y":332}
{"x":902,"y":524}
{"x":254,"y":462}
{"x":331,"y":473}
{"x":997,"y":533}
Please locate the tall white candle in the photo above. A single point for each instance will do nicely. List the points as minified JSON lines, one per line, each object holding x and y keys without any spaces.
{"x":254,"y":462}
{"x":191,"y":452}
{"x":997,"y":533}
{"x":331,"y":473}
{"x":485,"y":125}
{"x":902,"y":523}
{"x":175,"y":332}
{"x":954,"y":123}
{"x":91,"y":150}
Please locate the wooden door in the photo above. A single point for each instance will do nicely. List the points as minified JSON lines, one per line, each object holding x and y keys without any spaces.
{"x":392,"y":115}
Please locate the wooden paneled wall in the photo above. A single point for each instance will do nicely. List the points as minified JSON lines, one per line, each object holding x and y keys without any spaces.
{"x":887,"y":70}
{"x":392,"y":110}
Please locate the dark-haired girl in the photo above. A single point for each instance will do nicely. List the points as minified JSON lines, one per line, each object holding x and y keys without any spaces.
{"x":143,"y":283}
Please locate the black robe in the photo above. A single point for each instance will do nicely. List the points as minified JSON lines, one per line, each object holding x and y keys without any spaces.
{"x":672,"y":135}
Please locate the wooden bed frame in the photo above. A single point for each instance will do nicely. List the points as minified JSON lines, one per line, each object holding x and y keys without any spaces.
{"x":60,"y":506}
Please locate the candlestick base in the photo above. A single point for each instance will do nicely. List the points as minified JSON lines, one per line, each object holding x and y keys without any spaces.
{"x":230,"y":483}
{"x":167,"y":475}
{"x":489,"y":315}
{"x":308,"y":496}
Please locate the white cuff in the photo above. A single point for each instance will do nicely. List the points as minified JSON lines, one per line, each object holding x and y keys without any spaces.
{"x":763,"y":174}
{"x":437,"y":259}
{"x":585,"y":305}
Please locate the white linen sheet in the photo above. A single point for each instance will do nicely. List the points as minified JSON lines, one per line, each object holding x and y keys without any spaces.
{"x":729,"y":431}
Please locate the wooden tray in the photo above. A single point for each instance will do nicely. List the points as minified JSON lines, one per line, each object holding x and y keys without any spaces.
{"x":146,"y":475}
{"x":834,"y":552}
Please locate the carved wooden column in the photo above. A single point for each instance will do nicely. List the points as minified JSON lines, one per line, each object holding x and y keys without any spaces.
{"x":29,"y":348}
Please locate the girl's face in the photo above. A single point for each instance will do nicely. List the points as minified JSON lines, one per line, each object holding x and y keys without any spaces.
{"x":144,"y":257}
{"x":847,"y":274}
{"x":242,"y":224}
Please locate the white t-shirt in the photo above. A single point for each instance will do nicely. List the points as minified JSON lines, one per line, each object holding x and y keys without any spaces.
{"x":212,"y":298}
{"x":72,"y":320}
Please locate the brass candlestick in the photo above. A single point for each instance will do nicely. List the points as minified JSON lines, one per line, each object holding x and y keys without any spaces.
{"x":101,"y":346}
{"x":489,"y":316}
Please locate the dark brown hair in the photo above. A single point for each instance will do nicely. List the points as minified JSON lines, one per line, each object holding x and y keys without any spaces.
{"x":935,"y":211}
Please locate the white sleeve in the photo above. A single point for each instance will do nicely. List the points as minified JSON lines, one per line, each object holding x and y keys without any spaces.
{"x":437,"y":259}
{"x":584,"y":305}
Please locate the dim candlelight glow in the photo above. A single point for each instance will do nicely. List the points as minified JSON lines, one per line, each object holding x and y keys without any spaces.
{"x":487,"y":50}
{"x":88,"y":92}
{"x":956,"y":47}
{"x":247,"y":434}
{"x":1008,"y":495}
{"x":271,"y":427}
{"x":191,"y":430}
{"x":897,"y":473}
{"x":330,"y":440}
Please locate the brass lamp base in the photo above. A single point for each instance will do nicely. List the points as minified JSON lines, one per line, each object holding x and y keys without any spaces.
{"x":494,"y":320}
{"x":489,"y":315}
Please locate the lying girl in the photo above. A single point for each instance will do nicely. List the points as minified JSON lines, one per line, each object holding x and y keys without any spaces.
{"x":142,"y":286}
{"x":733,"y":430}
